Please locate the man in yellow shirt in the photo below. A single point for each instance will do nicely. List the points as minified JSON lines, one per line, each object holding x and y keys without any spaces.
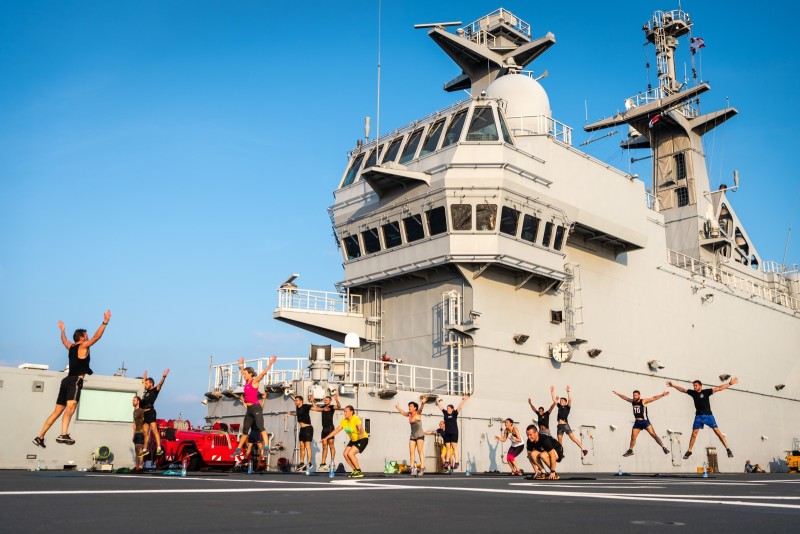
{"x":352,"y":426}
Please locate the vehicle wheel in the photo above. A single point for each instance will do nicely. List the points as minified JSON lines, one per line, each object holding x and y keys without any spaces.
{"x":193,"y":459}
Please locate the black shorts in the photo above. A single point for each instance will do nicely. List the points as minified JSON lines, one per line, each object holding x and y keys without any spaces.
{"x":360,"y":444}
{"x":451,"y":437}
{"x":253,"y":418}
{"x":149,"y":416}
{"x":306,"y":434}
{"x":563,"y":429}
{"x":70,"y":390}
{"x":138,"y":438}
{"x":326,"y":431}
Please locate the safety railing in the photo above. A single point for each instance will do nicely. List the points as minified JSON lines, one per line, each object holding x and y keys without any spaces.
{"x":540,"y":125}
{"x":750,"y":286}
{"x":308,"y":300}
{"x":474,"y":30}
{"x":774,"y":267}
{"x":226,"y":379}
{"x":657,"y":93}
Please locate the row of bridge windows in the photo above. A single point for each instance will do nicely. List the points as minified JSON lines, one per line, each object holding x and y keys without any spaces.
{"x":482,"y":127}
{"x":414,"y":227}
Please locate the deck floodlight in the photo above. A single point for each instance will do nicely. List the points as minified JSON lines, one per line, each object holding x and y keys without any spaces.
{"x":724,"y":377}
{"x":594,"y":353}
{"x":779,"y":387}
{"x":519,"y":339}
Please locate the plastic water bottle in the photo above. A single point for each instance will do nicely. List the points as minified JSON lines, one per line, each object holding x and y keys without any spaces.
{"x":705,"y":471}
{"x":308,"y":470}
{"x":467,"y":472}
{"x":250,"y":467}
{"x":183,"y":467}
{"x":619,"y":470}
{"x":38,"y":466}
{"x":332,"y":472}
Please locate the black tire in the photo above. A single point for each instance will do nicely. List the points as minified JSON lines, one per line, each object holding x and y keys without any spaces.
{"x":194,"y":461}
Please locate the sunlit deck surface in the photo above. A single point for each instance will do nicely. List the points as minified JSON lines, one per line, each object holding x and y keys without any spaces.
{"x":62,"y":501}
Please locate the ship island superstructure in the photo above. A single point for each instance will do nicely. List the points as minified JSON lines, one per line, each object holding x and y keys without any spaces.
{"x":484,"y":254}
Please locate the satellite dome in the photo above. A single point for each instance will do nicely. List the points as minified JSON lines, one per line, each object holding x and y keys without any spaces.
{"x":524,"y":96}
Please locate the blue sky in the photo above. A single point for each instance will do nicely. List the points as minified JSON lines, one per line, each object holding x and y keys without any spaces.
{"x":173,"y":161}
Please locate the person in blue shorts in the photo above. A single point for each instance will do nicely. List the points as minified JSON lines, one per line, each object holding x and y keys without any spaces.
{"x":640,"y":419}
{"x":703,"y":416}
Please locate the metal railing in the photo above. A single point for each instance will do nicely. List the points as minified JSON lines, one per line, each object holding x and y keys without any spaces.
{"x":474,"y":30}
{"x":370,"y":373}
{"x":539,"y":125}
{"x":657,"y":93}
{"x":778,"y":268}
{"x":307,"y":300}
{"x":754,"y":288}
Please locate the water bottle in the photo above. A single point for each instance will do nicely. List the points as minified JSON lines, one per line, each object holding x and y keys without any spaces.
{"x":250,"y":467}
{"x":619,"y":470}
{"x":38,"y":466}
{"x":332,"y":472}
{"x":308,"y":470}
{"x":183,"y":467}
{"x":467,"y":472}
{"x":705,"y":471}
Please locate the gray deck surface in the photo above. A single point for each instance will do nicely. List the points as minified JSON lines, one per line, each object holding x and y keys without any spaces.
{"x":60,"y":501}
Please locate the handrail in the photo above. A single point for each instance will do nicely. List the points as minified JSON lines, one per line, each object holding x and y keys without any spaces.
{"x":307,"y":300}
{"x":539,"y":125}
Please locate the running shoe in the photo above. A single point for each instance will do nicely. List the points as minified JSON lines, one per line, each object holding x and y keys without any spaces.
{"x":666,"y":450}
{"x":356,"y":474}
{"x":322,"y":467}
{"x":64,"y":438}
{"x":300,"y":468}
{"x":540,"y":476}
{"x":414,"y":471}
{"x":686,"y":456}
{"x":629,"y":452}
{"x":39,"y":442}
{"x":585,"y":452}
{"x":446,"y":466}
{"x":421,"y":471}
{"x":455,"y":465}
{"x":730,"y":453}
{"x":159,"y":451}
{"x":145,"y":452}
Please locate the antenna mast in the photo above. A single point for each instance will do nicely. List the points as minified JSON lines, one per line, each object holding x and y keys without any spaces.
{"x":378,"y":117}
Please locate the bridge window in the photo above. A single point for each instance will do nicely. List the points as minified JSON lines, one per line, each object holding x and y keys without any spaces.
{"x":504,"y":129}
{"x":530,"y":228}
{"x":432,"y":139}
{"x":352,"y":249}
{"x":353,"y":171}
{"x":437,"y":221}
{"x":391,"y":234}
{"x":482,"y":126}
{"x":462,"y":216}
{"x":683,"y":196}
{"x":548,"y":234}
{"x":559,"y":241}
{"x":372,"y":243}
{"x":394,"y":148}
{"x":454,"y":130}
{"x":413,"y":228}
{"x":486,"y":216}
{"x":509,"y":220}
{"x":373,"y":157}
{"x":411,"y":146}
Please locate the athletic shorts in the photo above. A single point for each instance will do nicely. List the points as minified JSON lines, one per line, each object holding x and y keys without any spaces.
{"x":451,"y":437}
{"x":149,"y":416}
{"x":707,"y":420}
{"x":253,"y":418}
{"x":306,"y":434}
{"x":513,"y":452}
{"x":544,"y":431}
{"x":360,"y":444}
{"x":138,"y":438}
{"x":563,"y":429}
{"x":327,"y":430}
{"x":641,"y":424}
{"x":70,"y":390}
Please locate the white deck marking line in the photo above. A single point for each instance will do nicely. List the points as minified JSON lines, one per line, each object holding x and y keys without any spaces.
{"x":330,"y":487}
{"x":668,"y":495}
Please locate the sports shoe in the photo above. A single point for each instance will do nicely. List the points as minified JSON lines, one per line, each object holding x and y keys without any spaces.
{"x":540,"y":476}
{"x":64,"y":438}
{"x":236,"y":452}
{"x":446,"y":466}
{"x":456,"y":465}
{"x":629,"y":452}
{"x":421,"y":471}
{"x":730,"y":453}
{"x":322,"y":467}
{"x":145,"y":452}
{"x":39,"y":442}
{"x":300,"y":468}
{"x":687,"y":454}
{"x":356,"y":474}
{"x":666,"y":450}
{"x":159,"y":451}
{"x":414,"y":471}
{"x":585,"y":452}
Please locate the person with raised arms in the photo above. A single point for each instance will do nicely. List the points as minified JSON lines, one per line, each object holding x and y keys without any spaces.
{"x":564,"y":407}
{"x":254,"y":414}
{"x":416,"y":442}
{"x":640,"y":419}
{"x":450,"y":415}
{"x":703,"y":415}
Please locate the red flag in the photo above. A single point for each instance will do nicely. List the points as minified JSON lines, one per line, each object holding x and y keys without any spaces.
{"x":696,"y":44}
{"x":653,"y":121}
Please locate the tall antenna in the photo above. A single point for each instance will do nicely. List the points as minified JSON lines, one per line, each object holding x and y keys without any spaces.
{"x":378,"y":117}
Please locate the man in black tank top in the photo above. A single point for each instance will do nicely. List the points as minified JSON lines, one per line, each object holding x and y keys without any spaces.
{"x":640,"y":420}
{"x":151,"y":391}
{"x":542,"y":417}
{"x":70,"y":391}
{"x":328,"y":427}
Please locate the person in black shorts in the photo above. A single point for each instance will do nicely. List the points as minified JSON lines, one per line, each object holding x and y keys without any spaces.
{"x":359,"y":439}
{"x":564,"y":407}
{"x":640,"y":419}
{"x":450,"y":415}
{"x":71,"y":385}
{"x":542,"y":417}
{"x":703,"y":415}
{"x":151,"y":391}
{"x":306,"y":432}
{"x":327,"y":426}
{"x":543,"y":452}
{"x":138,"y":432}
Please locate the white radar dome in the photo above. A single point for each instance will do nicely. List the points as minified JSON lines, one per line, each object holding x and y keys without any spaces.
{"x":524,"y":96}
